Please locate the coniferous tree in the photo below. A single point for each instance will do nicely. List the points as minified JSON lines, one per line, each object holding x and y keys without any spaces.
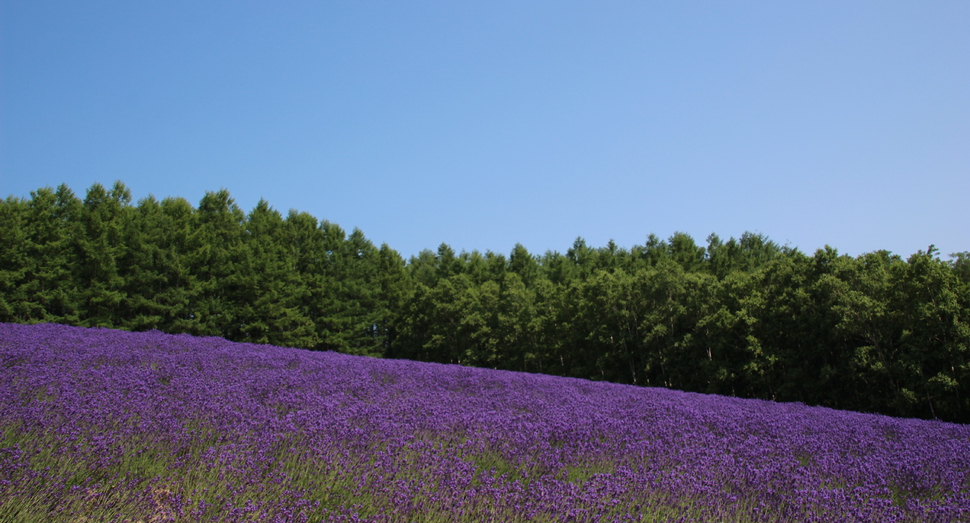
{"x":101,"y":251}
{"x":424,"y":268}
{"x":145,"y":274}
{"x":273,"y":313}
{"x":14,"y":258}
{"x":583,"y":257}
{"x":394,"y":290}
{"x":557,"y":268}
{"x":181,"y":248}
{"x":524,"y":265}
{"x":476,"y":267}
{"x":362,"y":289}
{"x":476,"y":308}
{"x":46,"y":291}
{"x":310,"y":260}
{"x":449,"y":264}
{"x":516,"y":321}
{"x":221,"y":267}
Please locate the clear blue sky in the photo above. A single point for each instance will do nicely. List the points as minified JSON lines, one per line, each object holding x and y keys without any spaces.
{"x":483,"y":124}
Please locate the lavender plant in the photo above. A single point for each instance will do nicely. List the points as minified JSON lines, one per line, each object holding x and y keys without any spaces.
{"x":101,"y":425}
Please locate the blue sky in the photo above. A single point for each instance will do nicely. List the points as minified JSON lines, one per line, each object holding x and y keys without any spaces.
{"x":484,"y":124}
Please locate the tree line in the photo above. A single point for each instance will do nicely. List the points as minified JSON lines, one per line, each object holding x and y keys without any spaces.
{"x":743,"y":317}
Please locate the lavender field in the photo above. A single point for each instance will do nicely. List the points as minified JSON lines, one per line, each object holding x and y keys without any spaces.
{"x":102,"y":425}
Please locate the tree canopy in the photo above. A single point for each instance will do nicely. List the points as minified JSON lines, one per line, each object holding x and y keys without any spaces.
{"x":744,"y":317}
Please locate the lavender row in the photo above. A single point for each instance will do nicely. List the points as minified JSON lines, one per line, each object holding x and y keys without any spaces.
{"x":102,"y":425}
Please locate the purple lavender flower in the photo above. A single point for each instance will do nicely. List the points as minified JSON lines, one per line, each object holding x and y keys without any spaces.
{"x":102,"y":425}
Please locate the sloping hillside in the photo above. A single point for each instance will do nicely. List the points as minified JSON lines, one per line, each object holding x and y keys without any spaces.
{"x":105,"y":425}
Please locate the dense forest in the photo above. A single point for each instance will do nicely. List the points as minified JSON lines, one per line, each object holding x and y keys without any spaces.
{"x":743,"y":317}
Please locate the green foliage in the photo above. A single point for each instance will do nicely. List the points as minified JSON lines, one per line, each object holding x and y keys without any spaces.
{"x":211,"y":270}
{"x":743,"y":317}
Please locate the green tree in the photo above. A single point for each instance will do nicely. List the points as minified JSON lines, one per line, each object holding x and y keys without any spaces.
{"x":517,"y":323}
{"x":144,"y":260}
{"x":934,"y":342}
{"x":220,"y":267}
{"x":273,"y":313}
{"x":310,"y":264}
{"x":38,"y":258}
{"x":960,"y":262}
{"x":610,"y":312}
{"x":477,"y":337}
{"x":100,"y":274}
{"x":524,"y":265}
{"x":364,"y":293}
{"x":747,"y":254}
{"x":675,"y":301}
{"x":583,"y":258}
{"x":682,"y":250}
{"x":423,"y":268}
{"x":557,"y":268}
{"x":15,"y":304}
{"x":394,"y":290}
{"x":349,"y":309}
{"x":548,"y":329}
{"x":448,"y":264}
{"x":433,"y":329}
{"x":860,"y":294}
